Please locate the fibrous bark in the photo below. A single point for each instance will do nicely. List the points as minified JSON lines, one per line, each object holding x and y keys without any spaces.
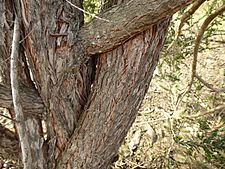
{"x":29,"y":126}
{"x":91,"y":38}
{"x":6,"y":28}
{"x":89,"y":111}
{"x":125,"y":21}
{"x":31,"y":101}
{"x":122,"y":79}
{"x":19,"y":115}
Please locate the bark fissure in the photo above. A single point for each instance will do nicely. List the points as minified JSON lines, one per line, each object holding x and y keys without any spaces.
{"x":85,"y":34}
{"x":58,"y":48}
{"x":27,"y":124}
{"x":64,"y":92}
{"x":112,"y":111}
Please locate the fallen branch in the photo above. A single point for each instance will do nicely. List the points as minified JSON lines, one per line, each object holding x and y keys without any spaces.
{"x":218,"y":108}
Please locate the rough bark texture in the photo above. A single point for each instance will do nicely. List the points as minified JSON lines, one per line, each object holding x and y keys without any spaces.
{"x":6,"y":32}
{"x":31,"y":124}
{"x":31,"y":101}
{"x":125,"y":21}
{"x":63,"y":91}
{"x":122,"y":79}
{"x":19,"y":115}
{"x":88,"y":111}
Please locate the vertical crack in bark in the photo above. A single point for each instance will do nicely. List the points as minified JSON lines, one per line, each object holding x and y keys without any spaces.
{"x":63,"y":79}
{"x":52,"y":46}
{"x":122,"y":79}
{"x":6,"y":21}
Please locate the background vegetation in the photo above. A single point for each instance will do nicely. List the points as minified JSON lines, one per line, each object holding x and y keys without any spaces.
{"x":181,"y":122}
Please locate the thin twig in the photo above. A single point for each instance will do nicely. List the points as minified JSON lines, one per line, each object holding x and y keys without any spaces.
{"x":27,"y":35}
{"x":204,"y":26}
{"x":152,"y":121}
{"x":7,"y":117}
{"x":220,"y":107}
{"x":183,"y":18}
{"x":210,"y":86}
{"x":5,"y":60}
{"x":91,"y":14}
{"x":136,"y":165}
{"x":94,"y":16}
{"x":19,"y":115}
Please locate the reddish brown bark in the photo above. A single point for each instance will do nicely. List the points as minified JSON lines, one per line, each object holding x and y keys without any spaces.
{"x":125,"y":21}
{"x":121,"y":82}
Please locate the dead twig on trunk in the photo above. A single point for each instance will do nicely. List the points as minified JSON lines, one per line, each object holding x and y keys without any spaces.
{"x":19,"y":115}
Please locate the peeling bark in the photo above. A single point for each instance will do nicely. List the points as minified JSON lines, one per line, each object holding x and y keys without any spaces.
{"x":20,"y":120}
{"x":99,"y":32}
{"x":63,"y":91}
{"x":122,"y":79}
{"x":86,"y":117}
{"x":27,"y":129}
{"x":6,"y":32}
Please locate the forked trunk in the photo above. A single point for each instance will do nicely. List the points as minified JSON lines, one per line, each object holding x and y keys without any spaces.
{"x":89,"y":81}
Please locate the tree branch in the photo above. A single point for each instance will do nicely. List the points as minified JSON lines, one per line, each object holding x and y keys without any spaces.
{"x":208,"y":112}
{"x":183,"y":18}
{"x":123,"y":22}
{"x":31,"y":101}
{"x":210,"y":86}
{"x":205,"y":24}
{"x":107,"y":118}
{"x":100,"y":36}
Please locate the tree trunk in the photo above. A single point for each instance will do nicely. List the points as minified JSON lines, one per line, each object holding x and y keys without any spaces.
{"x":88,"y":80}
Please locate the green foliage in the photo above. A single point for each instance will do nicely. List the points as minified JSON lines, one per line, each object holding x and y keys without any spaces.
{"x":214,"y":146}
{"x":201,"y":138}
{"x":192,"y":138}
{"x":195,"y":141}
{"x":91,"y":6}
